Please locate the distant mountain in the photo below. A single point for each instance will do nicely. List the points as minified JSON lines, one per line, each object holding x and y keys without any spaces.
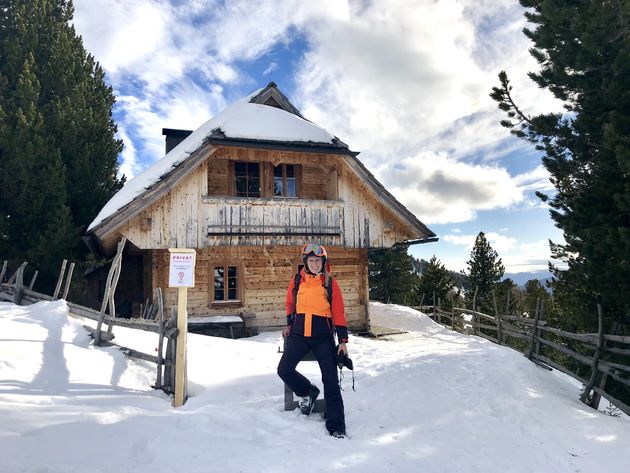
{"x":521,"y":278}
{"x":518,"y":278}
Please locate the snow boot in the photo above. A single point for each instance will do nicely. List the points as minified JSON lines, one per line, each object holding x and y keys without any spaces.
{"x":338,"y":435}
{"x":307,"y":403}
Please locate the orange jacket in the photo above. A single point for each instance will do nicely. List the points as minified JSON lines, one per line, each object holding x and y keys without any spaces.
{"x":314,"y":315}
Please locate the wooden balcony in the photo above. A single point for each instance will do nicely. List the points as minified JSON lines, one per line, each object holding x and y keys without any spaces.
{"x":285,"y":219}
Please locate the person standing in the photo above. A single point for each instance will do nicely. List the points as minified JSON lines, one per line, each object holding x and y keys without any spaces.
{"x":315,"y":311}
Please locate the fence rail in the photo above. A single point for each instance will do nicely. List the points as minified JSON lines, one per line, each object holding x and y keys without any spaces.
{"x":14,"y":290}
{"x":533,"y":330}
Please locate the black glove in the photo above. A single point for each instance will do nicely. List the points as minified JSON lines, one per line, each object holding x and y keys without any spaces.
{"x":344,"y":360}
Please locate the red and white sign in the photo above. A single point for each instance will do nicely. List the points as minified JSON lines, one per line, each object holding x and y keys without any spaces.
{"x":181,"y":267}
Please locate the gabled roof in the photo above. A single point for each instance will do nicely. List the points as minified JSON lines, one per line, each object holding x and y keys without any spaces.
{"x":265,"y":119}
{"x":247,"y":121}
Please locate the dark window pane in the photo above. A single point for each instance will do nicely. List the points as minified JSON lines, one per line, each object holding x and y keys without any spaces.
{"x":291,"y":188}
{"x":252,"y":169}
{"x":231,"y":283}
{"x":290,"y":170}
{"x":241,"y":186}
{"x":240,"y":169}
{"x":218,"y":295}
{"x":231,"y":271}
{"x":277,"y":171}
{"x":232,"y":294}
{"x":253,"y":186}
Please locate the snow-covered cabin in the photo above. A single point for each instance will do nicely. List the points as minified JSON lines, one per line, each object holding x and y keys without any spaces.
{"x":247,"y":189}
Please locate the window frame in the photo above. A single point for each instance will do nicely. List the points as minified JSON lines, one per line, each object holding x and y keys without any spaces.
{"x":285,"y":180}
{"x":234,"y":177}
{"x":238,"y":302}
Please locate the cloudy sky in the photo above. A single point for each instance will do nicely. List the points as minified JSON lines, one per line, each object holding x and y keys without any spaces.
{"x":404,"y":82}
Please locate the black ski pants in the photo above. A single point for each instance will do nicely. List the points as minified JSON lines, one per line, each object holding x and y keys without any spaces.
{"x":295,"y":348}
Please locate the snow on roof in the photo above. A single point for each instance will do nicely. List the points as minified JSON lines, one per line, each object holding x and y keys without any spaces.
{"x":242,"y":119}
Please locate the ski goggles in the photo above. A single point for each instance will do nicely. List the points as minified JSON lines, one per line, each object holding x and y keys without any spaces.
{"x":313,"y":248}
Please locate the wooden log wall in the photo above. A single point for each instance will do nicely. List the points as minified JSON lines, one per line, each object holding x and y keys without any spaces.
{"x":266,"y":273}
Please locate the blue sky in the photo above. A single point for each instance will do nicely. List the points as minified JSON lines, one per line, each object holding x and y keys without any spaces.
{"x":403,"y":82}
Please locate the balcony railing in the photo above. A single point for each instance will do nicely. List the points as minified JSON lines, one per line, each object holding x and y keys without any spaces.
{"x":246,"y":216}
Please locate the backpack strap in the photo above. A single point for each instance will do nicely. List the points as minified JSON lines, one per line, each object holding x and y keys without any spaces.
{"x":296,"y":285}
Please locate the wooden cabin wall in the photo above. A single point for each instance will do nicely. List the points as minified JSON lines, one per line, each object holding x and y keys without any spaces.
{"x":189,"y":217}
{"x":266,"y":273}
{"x":367,"y":222}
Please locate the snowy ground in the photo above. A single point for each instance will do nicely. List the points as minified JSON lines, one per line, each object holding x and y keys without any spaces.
{"x":430,"y":400}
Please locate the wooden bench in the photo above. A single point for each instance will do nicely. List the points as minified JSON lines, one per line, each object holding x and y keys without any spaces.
{"x":223,"y":323}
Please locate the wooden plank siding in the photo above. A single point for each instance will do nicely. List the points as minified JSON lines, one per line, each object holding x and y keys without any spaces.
{"x":265,"y":273}
{"x":198,"y":213}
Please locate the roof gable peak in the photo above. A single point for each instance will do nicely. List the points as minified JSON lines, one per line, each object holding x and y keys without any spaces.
{"x":273,"y":97}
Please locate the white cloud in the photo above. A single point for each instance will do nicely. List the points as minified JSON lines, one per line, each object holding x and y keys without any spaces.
{"x":535,"y":180}
{"x":441,"y":190}
{"x":500,"y":243}
{"x":393,"y":79}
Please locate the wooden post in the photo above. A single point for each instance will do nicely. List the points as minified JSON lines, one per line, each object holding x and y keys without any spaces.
{"x":112,"y":292}
{"x":452,"y":313}
{"x":160,"y":363}
{"x":474,"y":305}
{"x":19,"y":284}
{"x":4,"y":270}
{"x":68,"y":279}
{"x":180,"y":356}
{"x":60,"y":279}
{"x":539,"y":332}
{"x":532,"y":340}
{"x":30,"y":286}
{"x":181,"y":276}
{"x":497,"y":318}
{"x":108,"y":287}
{"x":600,"y":345}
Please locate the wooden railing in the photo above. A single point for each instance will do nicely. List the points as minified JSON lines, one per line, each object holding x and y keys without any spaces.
{"x":240,"y":216}
{"x":539,"y":347}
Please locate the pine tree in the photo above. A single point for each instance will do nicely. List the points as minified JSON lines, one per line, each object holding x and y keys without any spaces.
{"x":58,"y":153}
{"x":534,"y":292}
{"x":485,"y":270}
{"x":390,"y":276}
{"x":583,"y":48}
{"x":435,"y":284}
{"x":501,"y":291}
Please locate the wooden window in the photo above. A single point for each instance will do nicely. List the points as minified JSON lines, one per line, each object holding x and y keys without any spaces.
{"x":246,"y":179}
{"x":226,"y":284}
{"x":285,"y":180}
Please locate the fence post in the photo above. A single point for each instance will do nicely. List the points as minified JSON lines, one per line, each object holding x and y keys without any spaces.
{"x":600,"y":345}
{"x":30,"y":286}
{"x":474,"y":305}
{"x":158,"y":382}
{"x":60,"y":279}
{"x":497,"y":318}
{"x":68,"y":279}
{"x":532,"y":341}
{"x":108,"y":286}
{"x":4,"y":270}
{"x":19,"y":284}
{"x":539,"y":332}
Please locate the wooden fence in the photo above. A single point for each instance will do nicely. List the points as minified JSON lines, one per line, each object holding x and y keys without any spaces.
{"x":16,"y":291}
{"x":537,"y":340}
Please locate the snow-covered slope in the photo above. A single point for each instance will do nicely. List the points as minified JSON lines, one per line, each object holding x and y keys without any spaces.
{"x":429,"y":400}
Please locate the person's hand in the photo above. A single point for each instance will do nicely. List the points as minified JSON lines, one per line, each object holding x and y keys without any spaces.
{"x":343,"y":348}
{"x":286,"y":331}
